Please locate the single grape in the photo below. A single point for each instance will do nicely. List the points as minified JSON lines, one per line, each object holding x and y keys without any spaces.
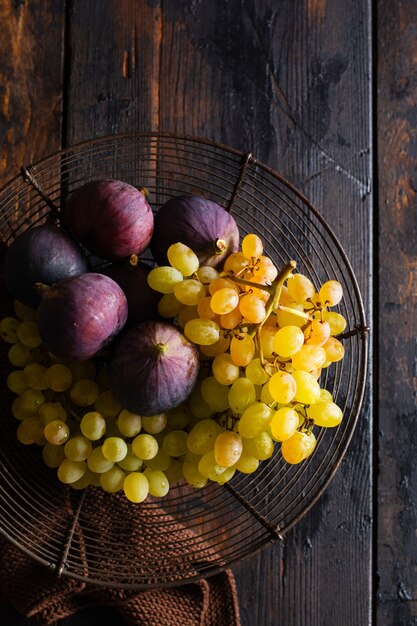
{"x":225,"y":476}
{"x":235,"y":263}
{"x":336,"y":322}
{"x":334,"y":349}
{"x":113,"y":480}
{"x":232,"y":319}
{"x":114,"y":449}
{"x":131,"y":462}
{"x":317,"y":332}
{"x":192,"y":475}
{"x":204,"y":310}
{"x":35,"y":376}
{"x":17,"y":381}
{"x":242,"y":349}
{"x":224,"y":301}
{"x":8,"y":329}
{"x":183,"y":259}
{"x":266,"y":338}
{"x":298,"y":447}
{"x":107,"y":405}
{"x":247,"y":464}
{"x":84,"y":392}
{"x":50,"y":411}
{"x":56,"y":432}
{"x":202,"y":332}
{"x":252,"y":308}
{"x":282,"y":387}
{"x":97,"y":462}
{"x":325,"y":396}
{"x":254,"y":420}
{"x":224,"y":370}
{"x":288,"y":341}
{"x":154,"y":424}
{"x":20,"y":355}
{"x":175,"y":443}
{"x":260,"y":447}
{"x":78,"y":448}
{"x":331,"y":293}
{"x":220,"y":346}
{"x":53,"y":455}
{"x":214,"y":394}
{"x":29,"y":431}
{"x":309,"y":358}
{"x":58,"y":377}
{"x":163,"y":279}
{"x":145,"y":446}
{"x":284,"y":423}
{"x":300,"y":288}
{"x":189,"y":291}
{"x":158,"y":482}
{"x":308,"y":389}
{"x":129,"y":424}
{"x":71,"y":471}
{"x":286,"y":318}
{"x":265,"y":270}
{"x":136,"y":487}
{"x":202,"y":436}
{"x":168,"y":305}
{"x":222,"y":283}
{"x":206,"y":274}
{"x":252,"y":246}
{"x":241,"y":395}
{"x":31,"y":400}
{"x":266,"y":395}
{"x":228,"y":448}
{"x":28,"y":334}
{"x":256,"y":373}
{"x":325,"y":414}
{"x":208,"y":466}
{"x":93,"y":425}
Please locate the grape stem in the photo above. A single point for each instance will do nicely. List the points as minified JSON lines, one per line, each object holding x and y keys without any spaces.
{"x":288,"y":309}
{"x":249,"y":283}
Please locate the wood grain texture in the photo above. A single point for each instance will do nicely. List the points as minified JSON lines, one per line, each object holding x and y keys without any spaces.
{"x":31,"y":79}
{"x":397,"y":479}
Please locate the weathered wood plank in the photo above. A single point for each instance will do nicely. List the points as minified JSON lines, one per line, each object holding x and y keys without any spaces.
{"x":397,"y":153}
{"x":31,"y":81}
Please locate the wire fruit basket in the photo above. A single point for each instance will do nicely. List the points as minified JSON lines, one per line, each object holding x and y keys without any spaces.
{"x":104,"y":539}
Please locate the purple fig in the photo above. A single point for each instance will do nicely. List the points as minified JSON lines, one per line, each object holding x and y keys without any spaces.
{"x":79,"y":316}
{"x":110,"y":218}
{"x":201,"y":224}
{"x":154,"y":368}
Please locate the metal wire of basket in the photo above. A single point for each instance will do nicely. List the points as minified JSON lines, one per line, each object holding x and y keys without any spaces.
{"x":191,"y":533}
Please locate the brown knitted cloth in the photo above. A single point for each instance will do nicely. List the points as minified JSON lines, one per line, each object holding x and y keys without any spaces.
{"x":35,"y":592}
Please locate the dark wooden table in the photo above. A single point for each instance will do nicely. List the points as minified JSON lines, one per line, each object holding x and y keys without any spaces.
{"x":325,"y":93}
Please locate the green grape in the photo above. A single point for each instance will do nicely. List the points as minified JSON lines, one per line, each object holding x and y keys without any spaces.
{"x":8,"y":329}
{"x":288,"y":341}
{"x":71,"y":471}
{"x":198,"y":406}
{"x":88,"y":478}
{"x":186,"y":314}
{"x":56,"y":432}
{"x":158,"y":482}
{"x":58,"y":377}
{"x":252,"y":308}
{"x":298,"y":447}
{"x":130,"y":463}
{"x":220,"y":346}
{"x":164,"y":278}
{"x":183,"y":259}
{"x":29,"y":431}
{"x":192,"y":475}
{"x":254,"y":420}
{"x":282,"y":387}
{"x":19,"y":412}
{"x":266,"y":395}
{"x":112,"y":480}
{"x":331,"y":293}
{"x":247,"y":464}
{"x":228,"y":448}
{"x":261,"y":447}
{"x":35,"y":376}
{"x":179,"y":417}
{"x":256,"y":373}
{"x":175,"y":443}
{"x":202,"y":332}
{"x":309,"y":358}
{"x":308,"y":389}
{"x":114,"y":449}
{"x":224,"y":301}
{"x":50,"y":411}
{"x":82,"y":370}
{"x":325,"y":414}
{"x":145,"y":446}
{"x":24,"y":312}
{"x":161,"y":461}
{"x":97,"y":462}
{"x":31,"y":400}
{"x":208,"y":466}
{"x":174,"y":471}
{"x":202,"y":436}
{"x":93,"y":425}
{"x":84,"y":392}
{"x":224,"y":370}
{"x":20,"y":355}
{"x":28,"y":334}
{"x":154,"y":424}
{"x":136,"y":487}
{"x":284,"y":423}
{"x":241,"y":395}
{"x":336,"y":322}
{"x":129,"y":424}
{"x":189,"y":291}
{"x":78,"y":448}
{"x":53,"y":455}
{"x":225,"y":476}
{"x":17,"y":382}
{"x":107,"y":405}
{"x":334,"y":349}
{"x":242,"y":349}
{"x":214,"y":394}
{"x":325,"y":396}
{"x":206,"y":274}
{"x":252,"y":246}
{"x":300,"y":288}
{"x":168,"y":305}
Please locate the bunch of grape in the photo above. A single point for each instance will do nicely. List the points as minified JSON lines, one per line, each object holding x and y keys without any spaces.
{"x":265,"y":337}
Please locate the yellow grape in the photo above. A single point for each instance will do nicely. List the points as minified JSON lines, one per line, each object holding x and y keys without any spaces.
{"x":183,"y":259}
{"x":154,"y":424}
{"x":97,"y":462}
{"x":266,"y":395}
{"x":310,"y":357}
{"x":266,"y":338}
{"x":186,"y":314}
{"x":252,"y":308}
{"x":256,"y":373}
{"x":129,"y":424}
{"x":214,"y":394}
{"x":114,"y":449}
{"x":242,"y":349}
{"x":219,"y":347}
{"x":241,"y":395}
{"x":282,"y":387}
{"x":334,"y":349}
{"x":308,"y":389}
{"x":208,"y":466}
{"x":285,"y":318}
{"x":164,"y":278}
{"x":227,"y":448}
{"x":112,"y":480}
{"x":300,"y":288}
{"x":192,"y":475}
{"x":235,"y":263}
{"x":288,"y":341}
{"x":71,"y":471}
{"x":175,"y":443}
{"x":232,"y":319}
{"x":336,"y":322}
{"x":317,"y":332}
{"x":247,"y":464}
{"x":284,"y":423}
{"x":202,"y":436}
{"x":202,"y":332}
{"x":224,"y":301}
{"x":206,"y":274}
{"x":222,"y":283}
{"x":266,"y":269}
{"x":205,"y":311}
{"x":225,"y":476}
{"x":325,"y":414}
{"x":158,"y":482}
{"x":331,"y":293}
{"x":78,"y":448}
{"x":189,"y":291}
{"x":252,"y":246}
{"x":145,"y":446}
{"x":325,"y":396}
{"x":254,"y":420}
{"x":261,"y":447}
{"x":30,"y":430}
{"x":136,"y":487}
{"x":168,"y":305}
{"x":298,"y":447}
{"x":224,"y":370}
{"x":56,"y":432}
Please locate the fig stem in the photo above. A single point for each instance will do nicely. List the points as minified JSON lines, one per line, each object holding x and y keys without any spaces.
{"x":220,"y":246}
